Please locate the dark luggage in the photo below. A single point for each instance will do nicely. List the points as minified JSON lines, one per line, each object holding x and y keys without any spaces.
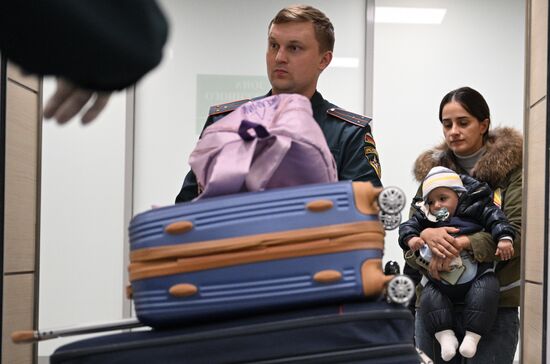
{"x":369,"y":333}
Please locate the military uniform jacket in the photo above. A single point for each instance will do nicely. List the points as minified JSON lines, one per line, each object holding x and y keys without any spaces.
{"x":348,"y":136}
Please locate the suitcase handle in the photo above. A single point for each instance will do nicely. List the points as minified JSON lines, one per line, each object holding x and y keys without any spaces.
{"x":30,"y":336}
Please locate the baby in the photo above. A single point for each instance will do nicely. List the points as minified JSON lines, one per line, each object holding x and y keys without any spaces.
{"x":465,"y":203}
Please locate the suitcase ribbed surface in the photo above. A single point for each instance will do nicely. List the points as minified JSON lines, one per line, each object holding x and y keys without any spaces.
{"x":246,"y":214}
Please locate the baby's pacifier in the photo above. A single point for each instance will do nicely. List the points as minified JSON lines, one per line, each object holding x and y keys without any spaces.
{"x":442,"y":214}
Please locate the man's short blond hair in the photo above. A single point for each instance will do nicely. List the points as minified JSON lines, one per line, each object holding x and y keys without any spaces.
{"x":324,"y":30}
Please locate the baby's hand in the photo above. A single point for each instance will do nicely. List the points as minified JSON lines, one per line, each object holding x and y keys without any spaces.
{"x":505,"y":250}
{"x":415,"y":243}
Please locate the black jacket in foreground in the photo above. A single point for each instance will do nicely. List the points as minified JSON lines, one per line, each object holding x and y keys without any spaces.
{"x":475,"y":205}
{"x":348,"y":136}
{"x":97,"y":44}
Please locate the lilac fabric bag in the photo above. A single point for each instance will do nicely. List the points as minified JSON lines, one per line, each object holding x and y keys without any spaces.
{"x":268,"y":143}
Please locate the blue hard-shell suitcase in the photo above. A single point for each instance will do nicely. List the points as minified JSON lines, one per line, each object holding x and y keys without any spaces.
{"x":255,"y":252}
{"x":368,"y":333}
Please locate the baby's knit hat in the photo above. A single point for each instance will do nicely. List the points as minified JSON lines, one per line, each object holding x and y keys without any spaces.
{"x":441,"y":177}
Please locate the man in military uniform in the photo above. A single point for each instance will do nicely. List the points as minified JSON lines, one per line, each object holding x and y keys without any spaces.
{"x":300,"y":46}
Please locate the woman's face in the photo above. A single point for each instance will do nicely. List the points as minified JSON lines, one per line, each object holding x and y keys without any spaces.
{"x":463,"y":132}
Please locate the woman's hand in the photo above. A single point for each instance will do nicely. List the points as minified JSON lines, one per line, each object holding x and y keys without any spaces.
{"x":505,"y":249}
{"x":440,"y":242}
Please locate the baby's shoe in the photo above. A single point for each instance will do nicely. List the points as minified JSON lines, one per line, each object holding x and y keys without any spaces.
{"x":448,"y":342}
{"x":468,"y":347}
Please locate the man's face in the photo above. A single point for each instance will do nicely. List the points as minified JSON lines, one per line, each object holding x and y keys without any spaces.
{"x":294,"y":61}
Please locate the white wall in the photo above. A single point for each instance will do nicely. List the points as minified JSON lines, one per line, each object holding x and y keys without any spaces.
{"x":479,"y":44}
{"x":82,"y":229}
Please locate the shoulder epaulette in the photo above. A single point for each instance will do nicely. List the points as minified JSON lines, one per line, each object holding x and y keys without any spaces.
{"x":352,"y":118}
{"x":227,"y":107}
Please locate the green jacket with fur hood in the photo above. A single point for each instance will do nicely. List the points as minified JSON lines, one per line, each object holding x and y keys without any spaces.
{"x":501,"y":167}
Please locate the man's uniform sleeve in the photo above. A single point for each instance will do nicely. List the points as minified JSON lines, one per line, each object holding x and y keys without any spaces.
{"x":360,"y":160}
{"x":189,"y":189}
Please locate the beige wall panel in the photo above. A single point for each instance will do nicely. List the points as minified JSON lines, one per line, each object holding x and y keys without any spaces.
{"x":14,"y":73}
{"x":532,"y":324}
{"x":22,"y":125}
{"x":18,"y":306}
{"x":534,"y":231}
{"x":539,"y":50}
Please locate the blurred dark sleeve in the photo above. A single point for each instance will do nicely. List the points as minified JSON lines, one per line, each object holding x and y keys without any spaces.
{"x":189,"y":189}
{"x":97,"y":44}
{"x":408,"y":229}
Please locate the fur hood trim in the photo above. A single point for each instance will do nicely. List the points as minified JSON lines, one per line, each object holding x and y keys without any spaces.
{"x":504,"y":154}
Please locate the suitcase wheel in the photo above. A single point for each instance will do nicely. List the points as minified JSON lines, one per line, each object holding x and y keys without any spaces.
{"x":400,"y":290}
{"x":392,"y":268}
{"x":319,"y":205}
{"x":183,"y":290}
{"x":391,"y":200}
{"x":390,"y":221}
{"x":327,"y":276}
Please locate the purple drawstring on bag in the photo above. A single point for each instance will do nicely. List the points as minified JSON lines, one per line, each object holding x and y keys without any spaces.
{"x":260,"y":130}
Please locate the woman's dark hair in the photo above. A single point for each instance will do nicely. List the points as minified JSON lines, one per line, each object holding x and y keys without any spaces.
{"x":471,"y":101}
